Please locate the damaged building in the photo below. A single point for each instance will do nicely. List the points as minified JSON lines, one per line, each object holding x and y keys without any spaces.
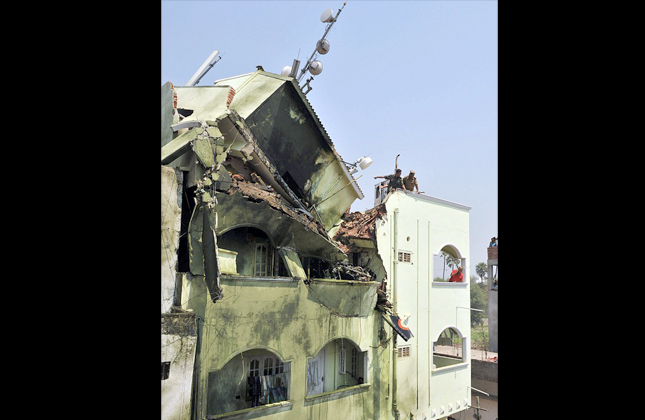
{"x":277,"y":302}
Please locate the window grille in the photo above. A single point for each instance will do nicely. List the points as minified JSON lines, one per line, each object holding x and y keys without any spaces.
{"x":404,"y":351}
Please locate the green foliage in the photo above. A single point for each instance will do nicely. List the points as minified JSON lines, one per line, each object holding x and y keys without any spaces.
{"x":478,"y":300}
{"x":480,"y":337}
{"x":482,"y":270}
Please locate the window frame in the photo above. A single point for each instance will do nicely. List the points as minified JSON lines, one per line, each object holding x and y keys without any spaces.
{"x":341,"y":390}
{"x":463,"y":362}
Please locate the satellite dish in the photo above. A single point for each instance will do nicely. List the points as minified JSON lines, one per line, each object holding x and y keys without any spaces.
{"x":327,"y":16}
{"x":316,"y":68}
{"x":364,"y":162}
{"x":285,"y":71}
{"x":322,"y":46}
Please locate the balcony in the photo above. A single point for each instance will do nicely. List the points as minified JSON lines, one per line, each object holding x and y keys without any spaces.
{"x":344,"y":297}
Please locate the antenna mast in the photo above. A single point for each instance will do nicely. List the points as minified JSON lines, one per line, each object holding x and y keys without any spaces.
{"x":204,"y":68}
{"x":320,"y":45}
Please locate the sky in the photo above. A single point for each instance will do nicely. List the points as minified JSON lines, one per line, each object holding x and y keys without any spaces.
{"x":414,"y":78}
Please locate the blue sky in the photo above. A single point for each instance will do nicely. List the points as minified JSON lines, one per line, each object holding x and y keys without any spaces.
{"x":415,"y":78}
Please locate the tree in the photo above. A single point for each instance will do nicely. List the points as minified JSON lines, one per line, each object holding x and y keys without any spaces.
{"x":482,"y":270}
{"x":452,"y":261}
{"x":443,"y":255}
{"x":478,"y":300}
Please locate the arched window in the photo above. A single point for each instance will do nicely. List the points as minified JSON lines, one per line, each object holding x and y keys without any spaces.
{"x":449,"y":349}
{"x":255,"y":256}
{"x":446,"y":262}
{"x":348,"y":363}
{"x":266,"y":380}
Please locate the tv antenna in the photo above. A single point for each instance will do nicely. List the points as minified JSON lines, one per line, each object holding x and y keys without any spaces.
{"x":204,"y":68}
{"x":314,"y":66}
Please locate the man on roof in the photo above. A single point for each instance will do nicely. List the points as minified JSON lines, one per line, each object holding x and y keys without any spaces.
{"x":410,"y":182}
{"x":395,"y":180}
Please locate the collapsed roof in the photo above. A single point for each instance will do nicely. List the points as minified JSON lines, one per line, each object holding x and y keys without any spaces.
{"x":266,"y":115}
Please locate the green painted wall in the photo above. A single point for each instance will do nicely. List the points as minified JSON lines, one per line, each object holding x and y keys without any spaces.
{"x":294,"y":321}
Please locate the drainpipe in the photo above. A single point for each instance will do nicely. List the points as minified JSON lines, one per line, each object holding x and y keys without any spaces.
{"x":196,"y":404}
{"x":395,"y":356}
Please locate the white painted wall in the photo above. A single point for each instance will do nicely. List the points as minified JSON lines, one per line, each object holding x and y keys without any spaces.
{"x":176,"y":390}
{"x":422,"y":226}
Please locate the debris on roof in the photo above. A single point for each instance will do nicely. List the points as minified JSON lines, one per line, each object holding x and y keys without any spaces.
{"x":358,"y":225}
{"x":258,"y":192}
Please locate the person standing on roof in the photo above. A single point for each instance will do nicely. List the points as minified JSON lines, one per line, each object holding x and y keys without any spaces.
{"x":410,"y":182}
{"x":395,"y":180}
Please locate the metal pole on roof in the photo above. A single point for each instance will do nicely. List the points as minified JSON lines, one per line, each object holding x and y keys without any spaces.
{"x":311,"y":59}
{"x":204,"y":68}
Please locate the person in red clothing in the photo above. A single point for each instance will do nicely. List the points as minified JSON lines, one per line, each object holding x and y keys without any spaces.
{"x":457,"y":275}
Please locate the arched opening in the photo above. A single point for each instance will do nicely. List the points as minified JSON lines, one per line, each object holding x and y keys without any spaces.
{"x":339,"y":364}
{"x":446,"y":264}
{"x":252,"y":378}
{"x":449,"y":349}
{"x":256,"y":254}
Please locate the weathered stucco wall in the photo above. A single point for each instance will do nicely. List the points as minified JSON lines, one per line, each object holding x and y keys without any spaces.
{"x":170,"y":227}
{"x":178,"y":344}
{"x":294,"y":321}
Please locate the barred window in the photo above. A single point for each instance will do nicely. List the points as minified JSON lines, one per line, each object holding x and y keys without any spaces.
{"x":405,"y":256}
{"x":403,"y":351}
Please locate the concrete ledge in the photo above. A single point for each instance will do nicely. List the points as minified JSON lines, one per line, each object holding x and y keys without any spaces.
{"x":253,"y":412}
{"x":339,"y":393}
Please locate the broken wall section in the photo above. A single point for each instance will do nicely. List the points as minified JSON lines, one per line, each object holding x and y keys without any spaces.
{"x":357,"y":236}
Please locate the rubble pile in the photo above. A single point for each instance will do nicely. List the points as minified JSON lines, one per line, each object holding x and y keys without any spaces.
{"x":358,"y":225}
{"x":258,"y":192}
{"x":346,"y":271}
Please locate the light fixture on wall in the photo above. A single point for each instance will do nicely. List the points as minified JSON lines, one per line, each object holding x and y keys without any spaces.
{"x":362,"y":162}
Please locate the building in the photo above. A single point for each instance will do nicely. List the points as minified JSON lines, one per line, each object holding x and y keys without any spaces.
{"x":276,"y":301}
{"x":492,"y":298}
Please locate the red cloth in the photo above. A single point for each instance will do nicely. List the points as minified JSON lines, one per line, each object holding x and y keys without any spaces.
{"x":456,"y":276}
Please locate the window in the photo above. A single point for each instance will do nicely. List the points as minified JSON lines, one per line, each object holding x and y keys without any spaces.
{"x":261,"y":259}
{"x":445,"y":262}
{"x":266,"y":381}
{"x":268,"y":366}
{"x":340,"y":364}
{"x":353,"y":370}
{"x":255,"y":255}
{"x":279,"y":366}
{"x":405,"y":256}
{"x":254,"y":368}
{"x":403,"y":351}
{"x":342,"y":359}
{"x":449,"y":349}
{"x":165,"y":370}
